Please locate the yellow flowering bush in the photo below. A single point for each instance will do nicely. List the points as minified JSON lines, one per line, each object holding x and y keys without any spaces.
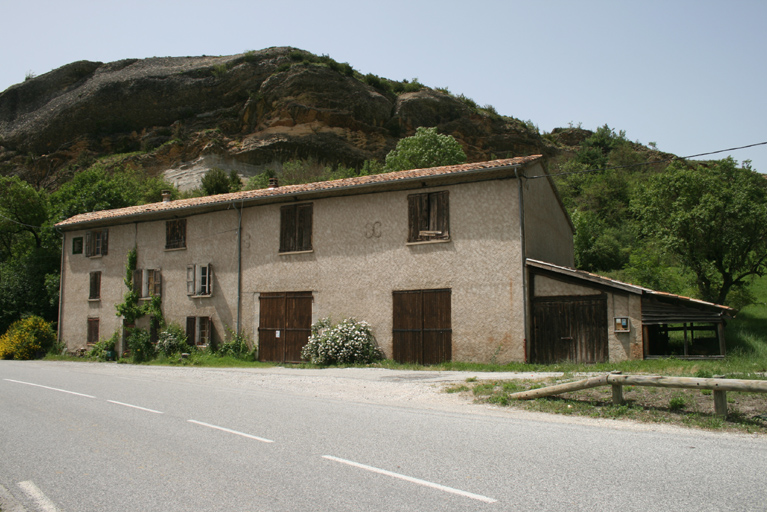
{"x":27,"y":338}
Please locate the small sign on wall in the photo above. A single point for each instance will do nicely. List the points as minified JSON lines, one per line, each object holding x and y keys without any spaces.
{"x":622,"y":324}
{"x":278,"y":334}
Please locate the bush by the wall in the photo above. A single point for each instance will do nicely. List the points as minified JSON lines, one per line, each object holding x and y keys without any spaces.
{"x":172,"y":340}
{"x":27,"y":338}
{"x":141,"y":346}
{"x":349,"y":342}
{"x":99,"y":351}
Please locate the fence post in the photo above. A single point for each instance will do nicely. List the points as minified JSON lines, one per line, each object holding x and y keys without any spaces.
{"x":720,"y":403}
{"x":617,"y":394}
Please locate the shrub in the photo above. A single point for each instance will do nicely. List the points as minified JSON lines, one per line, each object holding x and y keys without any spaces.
{"x":427,"y":148}
{"x":141,"y":346}
{"x":677,"y":403}
{"x":349,"y":342}
{"x":99,"y":350}
{"x":27,"y":338}
{"x":236,"y":345}
{"x":172,"y":340}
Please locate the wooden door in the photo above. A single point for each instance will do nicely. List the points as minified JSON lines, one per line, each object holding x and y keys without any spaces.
{"x":570,"y":328}
{"x":422,"y":329}
{"x":285,"y":323}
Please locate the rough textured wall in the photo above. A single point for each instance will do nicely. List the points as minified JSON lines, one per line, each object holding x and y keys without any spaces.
{"x":548,"y":232}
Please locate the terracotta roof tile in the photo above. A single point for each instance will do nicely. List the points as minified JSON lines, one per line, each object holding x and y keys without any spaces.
{"x":294,"y":189}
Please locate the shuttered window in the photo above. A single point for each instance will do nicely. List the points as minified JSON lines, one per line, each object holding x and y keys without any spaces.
{"x":296,"y":228}
{"x":96,"y":243}
{"x":95,"y":286}
{"x":428,"y":217}
{"x":93,"y":330}
{"x":199,"y":280}
{"x":147,"y":282}
{"x":175,"y":234}
{"x":199,"y":330}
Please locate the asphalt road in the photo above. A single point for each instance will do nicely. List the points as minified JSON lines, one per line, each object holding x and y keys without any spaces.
{"x":95,"y":437}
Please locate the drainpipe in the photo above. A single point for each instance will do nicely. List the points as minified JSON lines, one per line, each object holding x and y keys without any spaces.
{"x":524,"y":256}
{"x":61,"y":285}
{"x":239,"y":267}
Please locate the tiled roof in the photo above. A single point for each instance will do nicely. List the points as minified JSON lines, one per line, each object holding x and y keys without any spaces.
{"x":359,"y":181}
{"x":607,"y":281}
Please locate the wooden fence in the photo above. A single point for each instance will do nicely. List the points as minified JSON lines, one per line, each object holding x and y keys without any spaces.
{"x":720,"y":387}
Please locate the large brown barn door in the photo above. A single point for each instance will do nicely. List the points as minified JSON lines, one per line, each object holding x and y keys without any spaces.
{"x":422,"y":330}
{"x":284,"y":325}
{"x":570,"y":329}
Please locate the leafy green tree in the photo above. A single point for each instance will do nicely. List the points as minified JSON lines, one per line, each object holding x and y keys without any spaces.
{"x":216,"y":181}
{"x":713,"y":219}
{"x":426,"y":148}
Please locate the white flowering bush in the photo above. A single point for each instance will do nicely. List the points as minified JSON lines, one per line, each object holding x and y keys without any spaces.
{"x":349,"y":342}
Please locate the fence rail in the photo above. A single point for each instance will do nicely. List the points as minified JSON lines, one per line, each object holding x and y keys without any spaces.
{"x":720,"y":387}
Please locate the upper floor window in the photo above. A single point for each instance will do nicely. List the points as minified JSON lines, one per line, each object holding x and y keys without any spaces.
{"x":199,"y":280}
{"x":77,"y":245}
{"x":95,"y":286}
{"x":147,"y":282}
{"x":96,"y":243}
{"x":175,"y":234}
{"x":428,"y":217}
{"x":296,"y":228}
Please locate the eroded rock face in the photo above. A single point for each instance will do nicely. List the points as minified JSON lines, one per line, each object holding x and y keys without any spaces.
{"x":249,"y":110}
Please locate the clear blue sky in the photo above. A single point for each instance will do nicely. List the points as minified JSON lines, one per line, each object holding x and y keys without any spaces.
{"x":687,"y":75}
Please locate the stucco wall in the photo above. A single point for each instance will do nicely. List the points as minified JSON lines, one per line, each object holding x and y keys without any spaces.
{"x":360,"y":255}
{"x":621,"y":345}
{"x":548,"y":234}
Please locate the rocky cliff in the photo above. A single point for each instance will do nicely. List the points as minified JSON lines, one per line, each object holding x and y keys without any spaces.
{"x":185,"y":114}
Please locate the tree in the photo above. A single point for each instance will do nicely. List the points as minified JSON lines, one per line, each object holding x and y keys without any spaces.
{"x":713,"y":219}
{"x":216,"y":181}
{"x":426,"y":148}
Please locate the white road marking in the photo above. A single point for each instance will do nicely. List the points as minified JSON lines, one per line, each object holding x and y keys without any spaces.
{"x":47,"y":387}
{"x":231,"y":431}
{"x":134,"y":406}
{"x":40,"y":499}
{"x":413,"y":480}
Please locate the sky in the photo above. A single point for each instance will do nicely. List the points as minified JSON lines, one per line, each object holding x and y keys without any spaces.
{"x":689,"y":76}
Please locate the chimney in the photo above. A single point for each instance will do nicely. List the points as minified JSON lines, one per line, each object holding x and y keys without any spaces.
{"x":273,"y":183}
{"x":166,"y":196}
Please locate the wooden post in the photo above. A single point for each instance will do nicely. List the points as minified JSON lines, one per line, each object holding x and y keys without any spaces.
{"x":720,"y":403}
{"x":685,"y":340}
{"x":617,"y":394}
{"x":720,"y":332}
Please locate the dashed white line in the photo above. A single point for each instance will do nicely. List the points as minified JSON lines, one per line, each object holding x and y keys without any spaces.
{"x":243,"y":434}
{"x":412,"y":480}
{"x":40,"y":499}
{"x":48,"y":387}
{"x":134,"y":406}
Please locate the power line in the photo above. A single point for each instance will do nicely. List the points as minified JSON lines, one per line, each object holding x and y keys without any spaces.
{"x":648,"y":162}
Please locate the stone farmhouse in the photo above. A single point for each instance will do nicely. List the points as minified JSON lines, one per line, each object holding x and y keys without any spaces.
{"x":469,"y":262}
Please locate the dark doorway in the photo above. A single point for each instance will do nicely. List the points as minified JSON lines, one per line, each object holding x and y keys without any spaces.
{"x":284,"y":325}
{"x":572,"y":328}
{"x":422,"y":331}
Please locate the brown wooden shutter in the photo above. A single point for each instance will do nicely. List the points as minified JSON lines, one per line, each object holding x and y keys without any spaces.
{"x":287,"y":228}
{"x":191,"y":327}
{"x":157,"y":290}
{"x":441,"y":213}
{"x":190,"y":284}
{"x":415,"y":207}
{"x":104,"y":242}
{"x":138,"y":282}
{"x":93,"y":330}
{"x":95,"y":288}
{"x":304,"y":227}
{"x":88,"y":244}
{"x":210,"y":280}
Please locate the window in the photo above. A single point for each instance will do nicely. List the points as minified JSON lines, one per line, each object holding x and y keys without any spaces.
{"x":147,"y":282}
{"x":199,"y":330}
{"x":77,"y":245}
{"x":96,"y":243}
{"x":296,"y":228}
{"x":95,"y":286}
{"x":175,"y":234}
{"x":428,"y":217}
{"x":199,"y":280}
{"x":93,"y":330}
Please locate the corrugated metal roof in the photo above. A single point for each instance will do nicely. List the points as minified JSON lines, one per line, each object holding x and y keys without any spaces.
{"x":614,"y":283}
{"x":254,"y":195}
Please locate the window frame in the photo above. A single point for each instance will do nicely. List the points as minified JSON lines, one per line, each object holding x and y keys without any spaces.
{"x":147,"y":282}
{"x":97,"y":243}
{"x":429,"y":217}
{"x":199,"y":280}
{"x":92,"y":336}
{"x":94,"y":287}
{"x":77,"y":245}
{"x":199,"y":330}
{"x":296,"y":228}
{"x":175,"y":234}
